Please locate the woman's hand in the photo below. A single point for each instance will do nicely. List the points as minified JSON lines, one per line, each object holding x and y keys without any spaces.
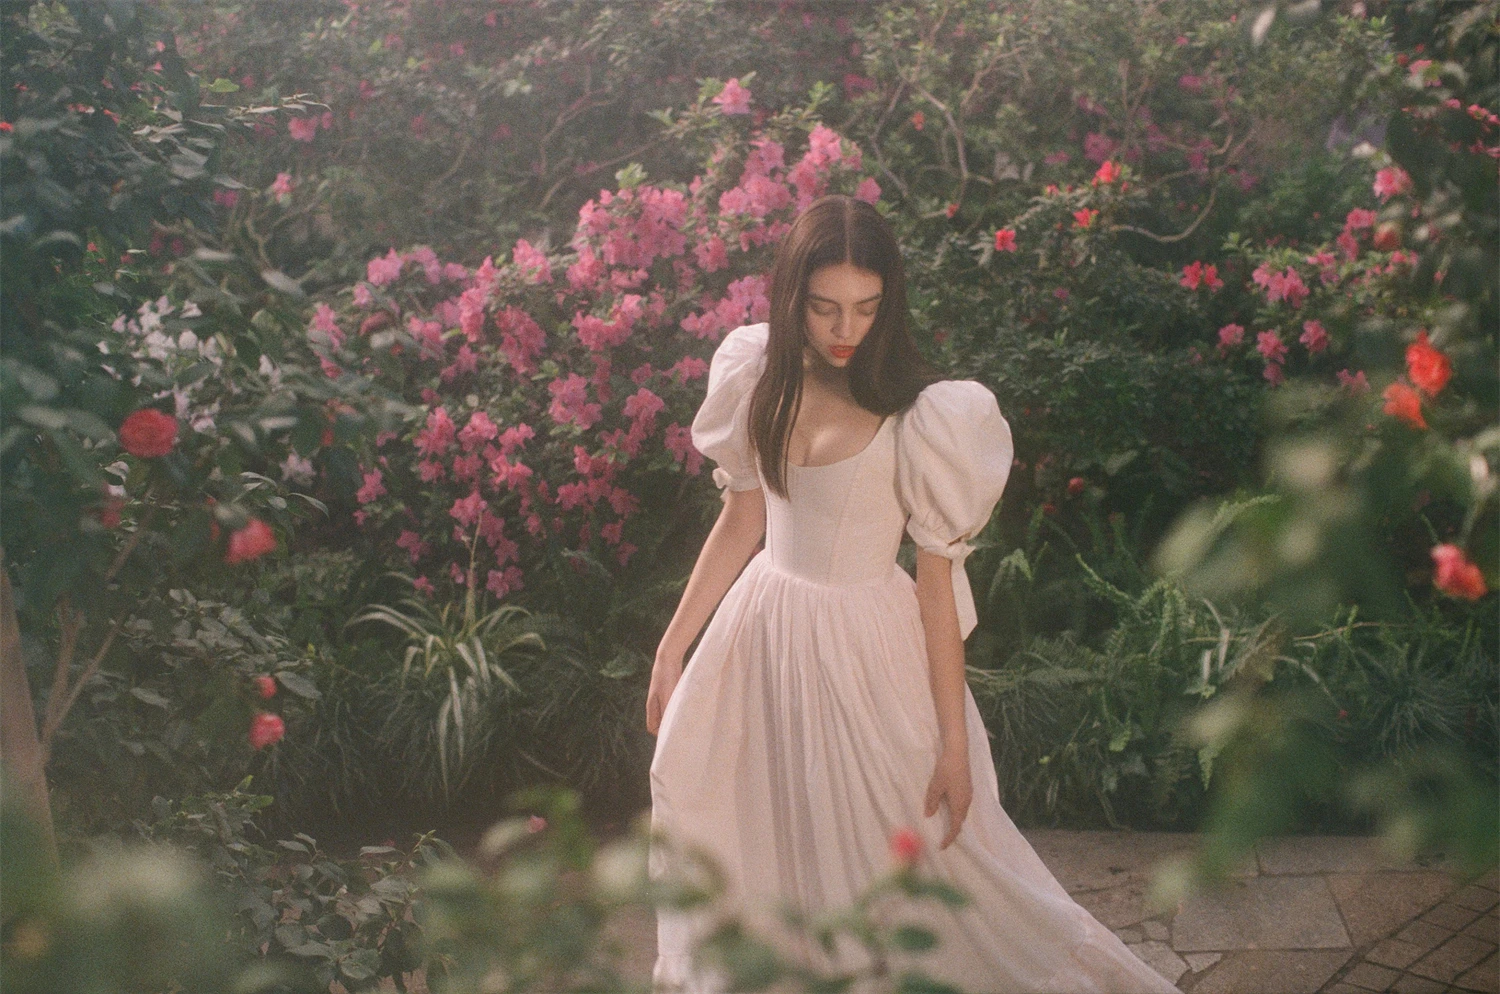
{"x":950,"y":780}
{"x":664,"y":676}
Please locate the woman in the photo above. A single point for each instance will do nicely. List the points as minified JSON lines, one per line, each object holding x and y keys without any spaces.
{"x":826,"y":706}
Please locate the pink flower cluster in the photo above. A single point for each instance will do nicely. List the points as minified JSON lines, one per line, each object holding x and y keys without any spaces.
{"x":1286,"y":285}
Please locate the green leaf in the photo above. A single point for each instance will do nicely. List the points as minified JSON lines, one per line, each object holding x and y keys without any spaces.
{"x":914,"y":982}
{"x":362,"y":964}
{"x":150,"y":697}
{"x":222,"y":85}
{"x":913,"y":938}
{"x":298,"y":684}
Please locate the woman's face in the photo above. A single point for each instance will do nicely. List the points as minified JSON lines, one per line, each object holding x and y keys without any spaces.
{"x":841,"y":305}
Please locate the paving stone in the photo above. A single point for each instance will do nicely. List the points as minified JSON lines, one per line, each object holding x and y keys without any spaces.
{"x":1485,"y":977}
{"x":1450,"y":916}
{"x":1394,"y":953}
{"x":1084,"y":861}
{"x":1198,"y":962}
{"x":1303,"y":854}
{"x":1487,"y":928}
{"x":1159,"y":956}
{"x":1129,"y":935}
{"x":1371,"y":977}
{"x":1452,"y":958}
{"x":1412,"y":984}
{"x":1261,"y":913}
{"x":1343,"y":988}
{"x":1116,"y":907}
{"x":1295,"y":971}
{"x":1155,"y":931}
{"x":1424,"y":935}
{"x":1376,"y":904}
{"x":1476,"y":898}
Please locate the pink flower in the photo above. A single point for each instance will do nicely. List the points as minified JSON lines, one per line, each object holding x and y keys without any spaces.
{"x":283,"y":185}
{"x":570,"y":402}
{"x":532,"y":262}
{"x":302,"y":129}
{"x":733,"y":98}
{"x":1355,"y":383}
{"x":1085,"y":217}
{"x":1270,"y":346}
{"x":1348,"y":245}
{"x":906,"y":847}
{"x":643,"y":406}
{"x":1274,"y":374}
{"x":383,"y":270}
{"x":423,"y":584}
{"x":1097,"y":147}
{"x":1108,"y":172}
{"x":679,"y":442}
{"x":413,"y":544}
{"x":521,"y":339}
{"x":266,"y":729}
{"x":686,"y":369}
{"x":372,"y":489}
{"x":1359,"y":219}
{"x":1391,"y":181}
{"x":1056,"y":158}
{"x":1192,"y":275}
{"x":1455,"y":575}
{"x":466,"y":510}
{"x":479,"y":430}
{"x":868,"y":190}
{"x":711,"y":254}
{"x":265,"y":686}
{"x":1189,"y":82}
{"x":439,"y":434}
{"x":1229,"y":336}
{"x":1005,"y":240}
{"x":1314,"y":336}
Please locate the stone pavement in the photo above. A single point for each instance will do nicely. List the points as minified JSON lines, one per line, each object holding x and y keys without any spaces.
{"x":1306,"y":915}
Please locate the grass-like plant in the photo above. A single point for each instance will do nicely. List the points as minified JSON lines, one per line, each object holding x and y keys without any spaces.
{"x":446,"y":698}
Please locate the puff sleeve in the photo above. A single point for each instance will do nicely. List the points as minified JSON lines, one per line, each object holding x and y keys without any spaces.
{"x":721,"y":428}
{"x":953,"y":456}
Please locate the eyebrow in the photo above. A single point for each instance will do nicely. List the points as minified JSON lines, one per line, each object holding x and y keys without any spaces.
{"x":827,"y":300}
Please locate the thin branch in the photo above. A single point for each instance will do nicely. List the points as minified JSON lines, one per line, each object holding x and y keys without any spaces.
{"x":1164,"y":239}
{"x":54,"y":722}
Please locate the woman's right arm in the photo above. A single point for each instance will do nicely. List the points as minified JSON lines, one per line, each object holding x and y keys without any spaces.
{"x":740,"y":527}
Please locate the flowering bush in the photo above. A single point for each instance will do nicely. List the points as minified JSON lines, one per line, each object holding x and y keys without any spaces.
{"x":552,"y":394}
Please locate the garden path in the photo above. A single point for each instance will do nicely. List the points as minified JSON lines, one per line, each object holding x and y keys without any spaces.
{"x":1305,"y":915}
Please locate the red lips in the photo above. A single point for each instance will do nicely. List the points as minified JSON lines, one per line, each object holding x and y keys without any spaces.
{"x":841,"y":351}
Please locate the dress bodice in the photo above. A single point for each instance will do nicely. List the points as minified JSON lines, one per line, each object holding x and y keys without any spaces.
{"x":938,"y":468}
{"x":841,"y":523}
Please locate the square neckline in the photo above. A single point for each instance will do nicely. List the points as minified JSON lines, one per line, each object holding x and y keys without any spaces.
{"x":839,"y":462}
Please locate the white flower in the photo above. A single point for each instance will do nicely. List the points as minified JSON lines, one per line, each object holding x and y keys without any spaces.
{"x":190,"y":310}
{"x":270,"y":372}
{"x":296,"y":468}
{"x":187,"y":340}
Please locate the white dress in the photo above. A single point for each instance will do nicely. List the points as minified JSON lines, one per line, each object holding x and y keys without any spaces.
{"x":803,"y":731}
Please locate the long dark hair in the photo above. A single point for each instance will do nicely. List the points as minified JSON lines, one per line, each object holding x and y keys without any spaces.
{"x":885,"y":374}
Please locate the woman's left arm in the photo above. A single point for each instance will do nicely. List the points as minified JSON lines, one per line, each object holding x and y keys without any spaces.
{"x":945,"y":659}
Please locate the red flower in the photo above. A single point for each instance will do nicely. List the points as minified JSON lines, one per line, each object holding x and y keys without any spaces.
{"x":1455,"y":575}
{"x":1049,"y":508}
{"x":1075,"y":486}
{"x":1387,"y":237}
{"x":148,"y":433}
{"x":918,"y":120}
{"x":109,"y":514}
{"x":535,"y":824}
{"x":1005,"y":240}
{"x":266,"y":729}
{"x":1192,"y":275}
{"x":1403,"y":402}
{"x":1084,"y":218}
{"x":1428,"y":368}
{"x":250,"y":542}
{"x":1108,"y":172}
{"x":906,"y":846}
{"x":265,"y":686}
{"x":951,"y":210}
